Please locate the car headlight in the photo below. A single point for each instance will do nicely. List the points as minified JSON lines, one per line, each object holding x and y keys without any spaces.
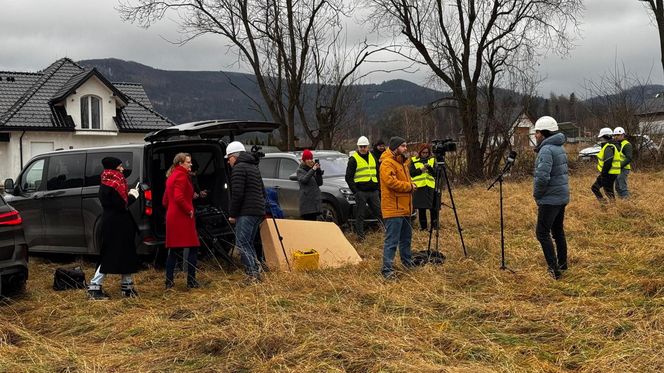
{"x":347,"y":193}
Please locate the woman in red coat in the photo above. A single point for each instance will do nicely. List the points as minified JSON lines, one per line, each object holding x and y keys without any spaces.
{"x":180,"y":221}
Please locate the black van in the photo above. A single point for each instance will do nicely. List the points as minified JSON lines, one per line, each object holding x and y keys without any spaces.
{"x":56,"y":192}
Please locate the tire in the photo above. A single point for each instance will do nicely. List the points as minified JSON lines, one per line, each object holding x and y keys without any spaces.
{"x":329,"y":213}
{"x":13,"y":285}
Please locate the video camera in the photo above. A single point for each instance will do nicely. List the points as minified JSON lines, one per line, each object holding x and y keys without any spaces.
{"x":440,"y":147}
{"x":255,"y":151}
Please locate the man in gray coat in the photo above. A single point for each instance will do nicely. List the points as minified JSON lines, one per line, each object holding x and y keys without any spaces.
{"x":551,"y":192}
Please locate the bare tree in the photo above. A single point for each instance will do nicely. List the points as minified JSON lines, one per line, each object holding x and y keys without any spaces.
{"x":285,"y":43}
{"x":469,"y":43}
{"x":656,"y":7}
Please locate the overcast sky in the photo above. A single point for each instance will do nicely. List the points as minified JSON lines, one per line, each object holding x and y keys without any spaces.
{"x":34,"y":33}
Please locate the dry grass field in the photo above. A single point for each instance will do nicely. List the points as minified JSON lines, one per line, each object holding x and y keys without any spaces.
{"x":605,"y":314}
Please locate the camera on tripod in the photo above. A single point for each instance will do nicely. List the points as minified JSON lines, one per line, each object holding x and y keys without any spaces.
{"x":440,"y":147}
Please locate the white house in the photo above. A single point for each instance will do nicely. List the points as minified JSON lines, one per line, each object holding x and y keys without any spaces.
{"x":523,"y":131}
{"x":651,"y":116}
{"x":67,"y":106}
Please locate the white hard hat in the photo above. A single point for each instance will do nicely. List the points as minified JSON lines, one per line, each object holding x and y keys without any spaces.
{"x":546,"y":124}
{"x":234,"y":147}
{"x":606,"y":131}
{"x":363,"y":141}
{"x":619,"y":131}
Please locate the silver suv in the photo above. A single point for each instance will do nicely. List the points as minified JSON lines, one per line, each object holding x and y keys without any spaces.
{"x":279,"y":171}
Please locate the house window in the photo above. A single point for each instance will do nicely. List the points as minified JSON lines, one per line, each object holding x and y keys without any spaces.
{"x":91,"y":112}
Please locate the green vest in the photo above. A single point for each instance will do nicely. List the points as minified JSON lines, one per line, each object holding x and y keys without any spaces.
{"x":365,"y":172}
{"x":621,"y":156}
{"x":615,"y":162}
{"x":424,"y":179}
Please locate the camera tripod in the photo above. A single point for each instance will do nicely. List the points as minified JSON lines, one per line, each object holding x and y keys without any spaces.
{"x":440,"y":172}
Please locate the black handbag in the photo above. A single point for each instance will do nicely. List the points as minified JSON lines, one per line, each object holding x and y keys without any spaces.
{"x":69,"y":278}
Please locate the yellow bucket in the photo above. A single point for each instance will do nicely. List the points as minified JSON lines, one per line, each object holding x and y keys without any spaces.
{"x":306,"y":260}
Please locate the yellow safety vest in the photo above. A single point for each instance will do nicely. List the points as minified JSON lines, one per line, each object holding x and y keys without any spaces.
{"x":621,"y":156}
{"x":424,"y":179}
{"x":615,"y":162}
{"x":365,"y":172}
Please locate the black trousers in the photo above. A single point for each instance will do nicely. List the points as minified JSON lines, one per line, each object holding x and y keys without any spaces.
{"x":173,"y":256}
{"x":550,"y":221}
{"x":365,"y":201}
{"x":604,"y":182}
{"x":422,"y":214}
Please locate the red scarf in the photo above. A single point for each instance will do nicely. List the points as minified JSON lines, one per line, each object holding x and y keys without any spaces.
{"x":116,"y":180}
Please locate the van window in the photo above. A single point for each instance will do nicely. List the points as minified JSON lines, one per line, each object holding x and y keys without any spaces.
{"x":93,"y":167}
{"x":32,"y":177}
{"x":268,"y":167}
{"x":287,"y":167}
{"x":65,"y":171}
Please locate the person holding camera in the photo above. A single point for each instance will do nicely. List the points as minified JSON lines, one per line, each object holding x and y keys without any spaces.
{"x":551,"y":192}
{"x":247,"y":205}
{"x":396,"y":206}
{"x":118,"y":231}
{"x":310,"y":178}
{"x":362,"y":180}
{"x":422,"y":171}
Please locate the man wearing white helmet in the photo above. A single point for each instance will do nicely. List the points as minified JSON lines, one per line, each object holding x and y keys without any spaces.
{"x":625,"y":153}
{"x":362,"y":180}
{"x":551,"y":192}
{"x":608,"y":165}
{"x":247,"y":205}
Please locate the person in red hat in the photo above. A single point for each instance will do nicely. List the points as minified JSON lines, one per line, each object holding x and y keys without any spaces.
{"x":310,"y":178}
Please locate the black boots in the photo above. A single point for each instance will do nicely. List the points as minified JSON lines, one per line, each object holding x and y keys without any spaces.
{"x":95,"y":292}
{"x":128,"y":291}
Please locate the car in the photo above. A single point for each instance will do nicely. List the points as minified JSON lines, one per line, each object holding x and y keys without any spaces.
{"x":642,"y":143}
{"x":278,"y":170}
{"x":56,"y":193}
{"x":13,"y":251}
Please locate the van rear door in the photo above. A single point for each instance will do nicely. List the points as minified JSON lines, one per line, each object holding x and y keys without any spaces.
{"x":211,"y":129}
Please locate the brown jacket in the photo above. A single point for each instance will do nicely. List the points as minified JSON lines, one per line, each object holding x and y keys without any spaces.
{"x":396,"y":198}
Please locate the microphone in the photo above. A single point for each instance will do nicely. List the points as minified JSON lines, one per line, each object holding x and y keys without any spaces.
{"x":511,"y":157}
{"x":509,"y":161}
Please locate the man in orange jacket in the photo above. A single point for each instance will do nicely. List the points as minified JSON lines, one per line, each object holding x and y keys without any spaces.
{"x":396,"y":204}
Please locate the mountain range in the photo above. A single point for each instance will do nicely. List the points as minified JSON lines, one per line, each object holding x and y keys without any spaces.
{"x":185,"y":96}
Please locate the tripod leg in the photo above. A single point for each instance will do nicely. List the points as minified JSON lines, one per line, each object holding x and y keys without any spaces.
{"x":456,"y":216}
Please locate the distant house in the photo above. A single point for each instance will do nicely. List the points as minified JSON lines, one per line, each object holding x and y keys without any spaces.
{"x":651,"y":116}
{"x":523,"y":131}
{"x":68,"y":106}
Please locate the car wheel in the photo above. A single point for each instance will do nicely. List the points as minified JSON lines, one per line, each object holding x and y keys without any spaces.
{"x":329,"y":213}
{"x":12,"y":285}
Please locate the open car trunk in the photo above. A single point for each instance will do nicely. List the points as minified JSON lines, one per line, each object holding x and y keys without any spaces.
{"x":210,"y":175}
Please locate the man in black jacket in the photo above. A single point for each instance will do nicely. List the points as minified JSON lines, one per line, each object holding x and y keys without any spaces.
{"x":247,"y":205}
{"x":362,"y":179}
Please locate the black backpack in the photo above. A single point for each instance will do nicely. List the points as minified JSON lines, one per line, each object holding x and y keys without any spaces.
{"x":66,"y":278}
